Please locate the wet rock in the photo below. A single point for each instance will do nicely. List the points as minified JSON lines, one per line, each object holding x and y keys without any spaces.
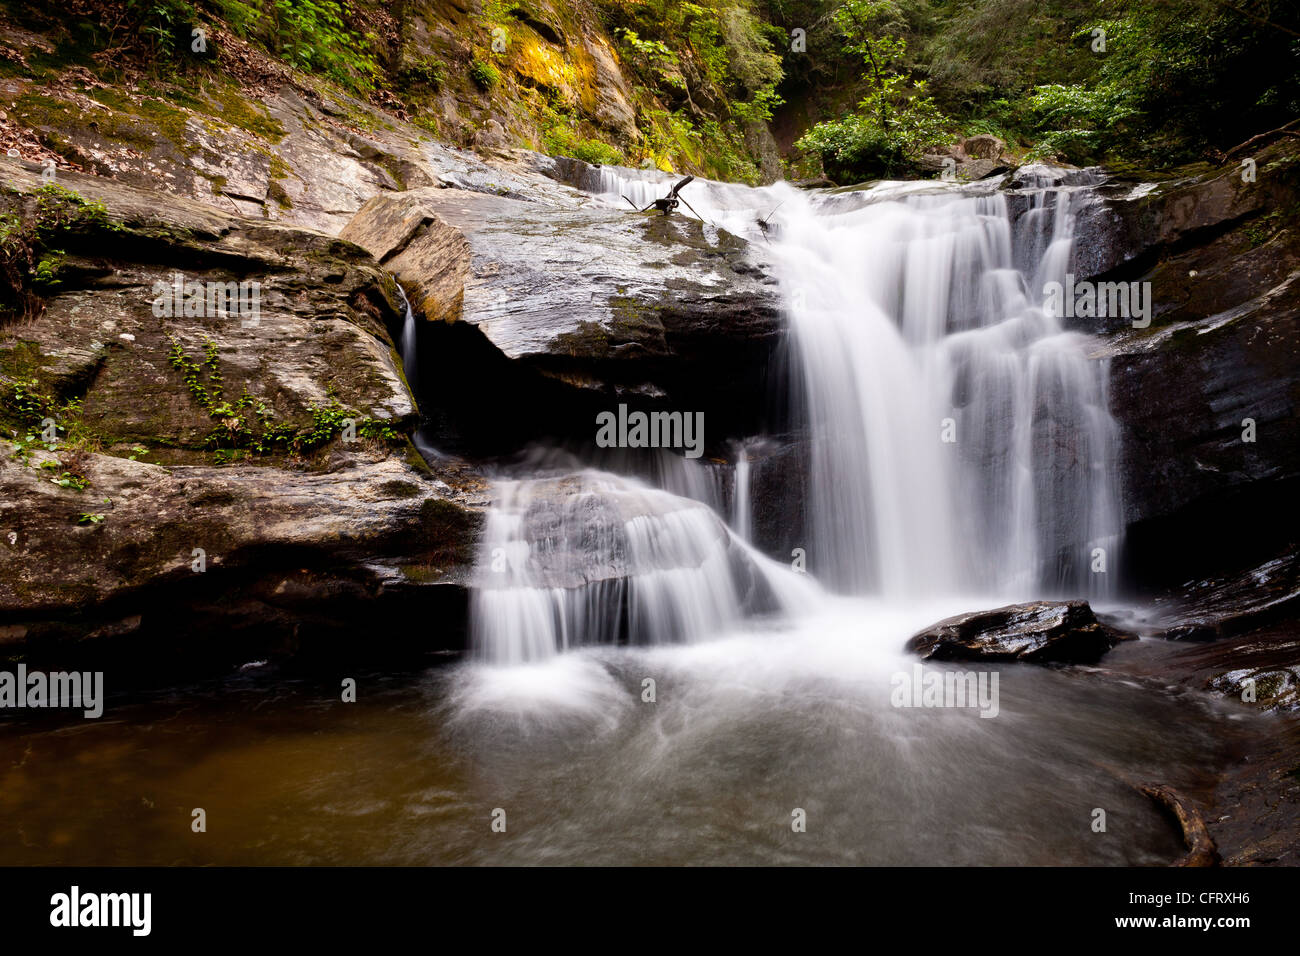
{"x":1206,"y":396}
{"x":1272,"y":689}
{"x":320,"y":329}
{"x":980,"y":169}
{"x":1040,"y":631}
{"x":1227,"y":605}
{"x":609,"y":305}
{"x":779,"y":484}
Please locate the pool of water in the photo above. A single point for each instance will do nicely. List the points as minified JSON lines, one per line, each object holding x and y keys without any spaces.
{"x":743,"y":732}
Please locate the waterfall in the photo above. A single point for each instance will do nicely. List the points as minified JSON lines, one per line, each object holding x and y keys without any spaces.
{"x":594,"y":558}
{"x":959,"y":437}
{"x":741,"y":509}
{"x":406,"y":347}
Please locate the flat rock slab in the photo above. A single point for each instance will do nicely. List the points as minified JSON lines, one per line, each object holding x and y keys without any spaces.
{"x":1040,"y":631}
{"x":610,"y":303}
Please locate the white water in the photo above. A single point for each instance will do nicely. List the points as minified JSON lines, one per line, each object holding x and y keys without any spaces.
{"x":916,"y":313}
{"x":593,"y":558}
{"x":406,"y":347}
{"x":742,"y":510}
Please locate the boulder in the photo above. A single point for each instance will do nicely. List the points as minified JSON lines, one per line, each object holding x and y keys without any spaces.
{"x":491,"y":138}
{"x":1040,"y":631}
{"x":983,"y":146}
{"x":1231,"y":604}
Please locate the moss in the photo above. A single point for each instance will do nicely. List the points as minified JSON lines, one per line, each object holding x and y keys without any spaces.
{"x":588,"y":339}
{"x":38,"y":111}
{"x":422,"y":573}
{"x":237,"y":110}
{"x":22,"y":360}
{"x":279,"y":168}
{"x":448,"y":530}
{"x":275,"y":191}
{"x":404,"y":490}
{"x":169,"y":120}
{"x":412,"y":456}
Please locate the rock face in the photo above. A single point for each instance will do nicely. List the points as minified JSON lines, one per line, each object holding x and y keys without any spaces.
{"x":235,"y":472}
{"x":605,"y":306}
{"x":1207,"y":396}
{"x":1041,"y":632}
{"x":312,"y":322}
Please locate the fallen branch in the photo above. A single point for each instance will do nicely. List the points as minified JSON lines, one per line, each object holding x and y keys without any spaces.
{"x":1200,"y":846}
{"x":1284,"y":130}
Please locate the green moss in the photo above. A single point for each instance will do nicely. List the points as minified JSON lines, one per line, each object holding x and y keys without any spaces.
{"x":22,"y":360}
{"x":169,"y":120}
{"x":276,"y":192}
{"x":39,"y":111}
{"x":400,"y":489}
{"x":422,"y":573}
{"x":412,"y":456}
{"x":239,"y":111}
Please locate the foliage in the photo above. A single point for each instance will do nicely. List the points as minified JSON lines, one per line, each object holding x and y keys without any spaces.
{"x":895,"y":120}
{"x":163,"y":23}
{"x":652,"y":58}
{"x":29,"y":258}
{"x":485,"y":75}
{"x":1154,"y":81}
{"x":313,"y":36}
{"x":560,"y":137}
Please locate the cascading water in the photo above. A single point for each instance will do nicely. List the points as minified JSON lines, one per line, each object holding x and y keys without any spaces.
{"x":406,"y":346}
{"x":960,"y":441}
{"x":592,"y":558}
{"x":961,"y":438}
{"x":742,"y":511}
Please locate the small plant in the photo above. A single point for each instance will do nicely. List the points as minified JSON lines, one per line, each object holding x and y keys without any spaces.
{"x":69,"y":480}
{"x":484,"y":75}
{"x":26,"y":402}
{"x":47,"y":269}
{"x":88,"y":518}
{"x":427,"y":71}
{"x":244,"y":427}
{"x":161,"y":22}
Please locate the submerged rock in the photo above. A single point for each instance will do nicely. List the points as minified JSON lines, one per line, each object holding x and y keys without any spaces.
{"x":1040,"y":631}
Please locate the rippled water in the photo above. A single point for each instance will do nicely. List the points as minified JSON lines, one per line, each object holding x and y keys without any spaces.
{"x":743,"y":731}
